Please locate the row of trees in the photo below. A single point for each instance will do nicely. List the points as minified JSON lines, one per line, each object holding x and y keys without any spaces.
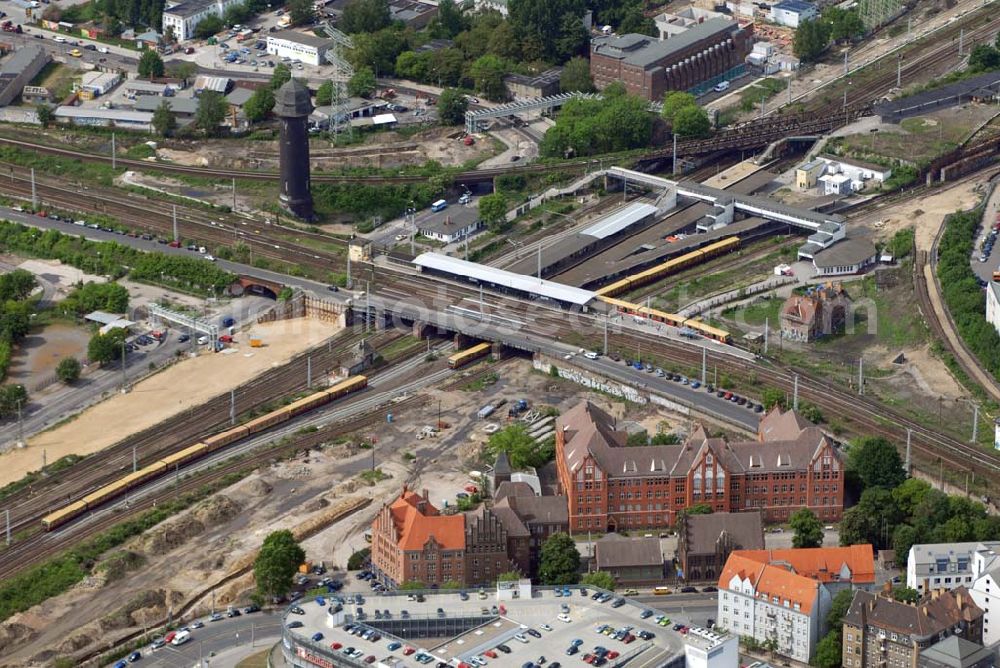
{"x":89,"y":297}
{"x":965,"y":300}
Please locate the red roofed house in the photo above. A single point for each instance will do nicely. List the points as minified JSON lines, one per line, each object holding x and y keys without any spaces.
{"x":611,"y":486}
{"x":784,"y":595}
{"x":413,"y":542}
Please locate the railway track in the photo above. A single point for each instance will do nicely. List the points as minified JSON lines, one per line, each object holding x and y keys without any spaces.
{"x":31,"y":503}
{"x":147,"y":215}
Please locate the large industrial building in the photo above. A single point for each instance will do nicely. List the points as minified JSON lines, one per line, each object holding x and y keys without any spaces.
{"x":613,"y":487}
{"x":650,"y":67}
{"x":305,"y":47}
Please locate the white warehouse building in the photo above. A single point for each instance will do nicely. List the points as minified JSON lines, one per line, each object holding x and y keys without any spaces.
{"x":993,"y":304}
{"x":184,"y":17}
{"x":310,"y":49}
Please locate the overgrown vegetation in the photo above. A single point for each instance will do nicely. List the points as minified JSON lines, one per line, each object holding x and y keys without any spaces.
{"x":115,"y":260}
{"x":617,"y":122}
{"x":960,"y":288}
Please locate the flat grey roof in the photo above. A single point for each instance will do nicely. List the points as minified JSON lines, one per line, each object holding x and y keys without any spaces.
{"x":510,"y":280}
{"x":190,"y":8}
{"x":643,"y":51}
{"x":105,"y":114}
{"x":300,"y":38}
{"x":847,"y":252}
{"x":239,"y":96}
{"x":453,"y":218}
{"x":179,"y":105}
{"x":620,"y":220}
{"x":20,"y":59}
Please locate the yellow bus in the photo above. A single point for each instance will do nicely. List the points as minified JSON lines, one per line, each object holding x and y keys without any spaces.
{"x":661,"y":591}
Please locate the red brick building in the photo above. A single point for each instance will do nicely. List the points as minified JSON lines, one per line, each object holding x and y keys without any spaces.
{"x":611,"y":486}
{"x":413,"y":542}
{"x":650,"y":67}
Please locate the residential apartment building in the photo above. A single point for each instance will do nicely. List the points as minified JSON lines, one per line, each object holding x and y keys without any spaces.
{"x":880,"y":631}
{"x":784,"y":595}
{"x":413,"y":542}
{"x":705,"y":542}
{"x":650,"y":67}
{"x":985,"y":589}
{"x":770,"y":603}
{"x":184,"y":17}
{"x":610,"y":486}
{"x":943,"y":565}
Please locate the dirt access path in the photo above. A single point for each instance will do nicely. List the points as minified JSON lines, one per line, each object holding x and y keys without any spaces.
{"x":175,"y":389}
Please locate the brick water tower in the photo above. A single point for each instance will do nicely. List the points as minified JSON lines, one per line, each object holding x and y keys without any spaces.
{"x":293,"y":106}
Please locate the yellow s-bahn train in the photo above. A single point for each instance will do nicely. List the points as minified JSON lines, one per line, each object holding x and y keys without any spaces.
{"x":671,"y":319}
{"x":210,"y":444}
{"x":669,"y":267}
{"x":468,"y":355}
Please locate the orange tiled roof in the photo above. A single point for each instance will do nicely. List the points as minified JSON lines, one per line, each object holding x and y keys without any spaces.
{"x":771,"y":581}
{"x":821,"y":563}
{"x":415,"y":528}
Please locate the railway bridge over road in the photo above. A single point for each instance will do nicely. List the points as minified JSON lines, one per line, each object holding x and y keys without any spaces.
{"x":246,"y":284}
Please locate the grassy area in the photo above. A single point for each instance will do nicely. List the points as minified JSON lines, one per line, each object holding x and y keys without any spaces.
{"x":765,"y":310}
{"x":482,"y":383}
{"x":373,"y":476}
{"x":765,"y":89}
{"x":897,"y":323}
{"x":256,"y":661}
{"x":926,"y":138}
{"x":58,"y":78}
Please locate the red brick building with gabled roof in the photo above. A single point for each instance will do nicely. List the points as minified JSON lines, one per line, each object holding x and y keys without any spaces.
{"x":413,"y":542}
{"x":612,"y":486}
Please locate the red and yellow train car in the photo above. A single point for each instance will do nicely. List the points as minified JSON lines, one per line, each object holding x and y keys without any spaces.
{"x":669,"y":267}
{"x":468,"y":355}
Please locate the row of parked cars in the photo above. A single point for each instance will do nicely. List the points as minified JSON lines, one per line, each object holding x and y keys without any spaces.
{"x":695,"y":384}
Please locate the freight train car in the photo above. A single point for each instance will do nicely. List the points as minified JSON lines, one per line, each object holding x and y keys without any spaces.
{"x":468,"y":355}
{"x":669,"y":267}
{"x":192,"y":452}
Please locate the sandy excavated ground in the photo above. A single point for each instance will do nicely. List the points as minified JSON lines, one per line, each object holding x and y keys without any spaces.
{"x":63,"y":276}
{"x":181,"y":386}
{"x":923,"y":213}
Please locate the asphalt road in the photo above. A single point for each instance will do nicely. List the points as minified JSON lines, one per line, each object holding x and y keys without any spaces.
{"x":219,"y":643}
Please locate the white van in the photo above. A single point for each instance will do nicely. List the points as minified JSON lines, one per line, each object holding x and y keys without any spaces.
{"x":719,"y":87}
{"x":590,"y":355}
{"x":202,"y":340}
{"x":465,"y":198}
{"x":181,"y":638}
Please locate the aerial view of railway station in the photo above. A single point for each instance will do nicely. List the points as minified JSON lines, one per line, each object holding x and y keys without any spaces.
{"x":514,"y":333}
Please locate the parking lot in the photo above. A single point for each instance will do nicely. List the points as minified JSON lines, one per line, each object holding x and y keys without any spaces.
{"x":546,"y":628}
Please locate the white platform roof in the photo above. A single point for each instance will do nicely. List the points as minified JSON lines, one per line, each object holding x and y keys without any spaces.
{"x":506,"y":279}
{"x":620,"y":220}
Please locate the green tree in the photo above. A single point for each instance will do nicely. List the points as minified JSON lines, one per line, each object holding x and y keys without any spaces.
{"x":45,"y":114}
{"x":278,"y":560}
{"x":810,"y":411}
{"x":576,"y":76}
{"x":12,"y":397}
{"x":509,"y":576}
{"x":412,"y":585}
{"x":519,"y":446}
{"x":838,"y":608}
{"x":280,"y":76}
{"x":903,"y":538}
{"x":601,"y":579}
{"x":573,"y":37}
{"x":211,"y":112}
{"x":236,"y":14}
{"x":560,"y":561}
{"x":637,"y":438}
{"x":150,"y":64}
{"x":208,"y":26}
{"x":487,"y":73}
{"x":324,"y":94}
{"x":358,"y":559}
{"x":674,"y":101}
{"x":300,"y":11}
{"x":449,"y":21}
{"x":451,"y":584}
{"x":698,"y":509}
{"x":544,"y":25}
{"x":182,"y":69}
{"x":16,"y":285}
{"x":493,"y":210}
{"x":104,"y":348}
{"x":378,"y":50}
{"x":164,"y":120}
{"x":984,"y":58}
{"x":259,"y":105}
{"x":452,"y":105}
{"x":828,"y":650}
{"x":617,"y":122}
{"x":362,"y":83}
{"x":772,"y":397}
{"x":905,"y":594}
{"x":68,"y":370}
{"x":365,"y":16}
{"x":873,"y":520}
{"x":811,"y":39}
{"x":665,"y":438}
{"x":89,"y":297}
{"x":909,"y":494}
{"x":877,"y":462}
{"x":844,"y":24}
{"x":692,"y":122}
{"x":807,"y":527}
